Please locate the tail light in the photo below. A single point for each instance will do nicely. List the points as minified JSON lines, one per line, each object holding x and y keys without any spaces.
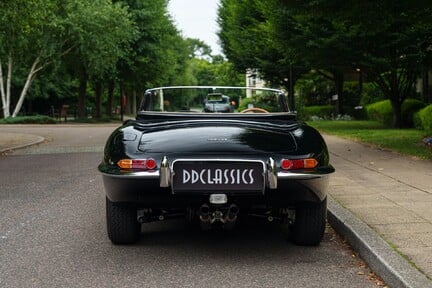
{"x":292,"y":164}
{"x":144,"y":164}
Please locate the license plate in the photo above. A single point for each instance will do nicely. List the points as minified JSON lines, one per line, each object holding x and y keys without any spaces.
{"x":222,"y":176}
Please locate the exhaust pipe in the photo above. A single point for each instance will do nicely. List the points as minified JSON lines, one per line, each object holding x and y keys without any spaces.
{"x":204,"y":216}
{"x":232,"y":213}
{"x":204,"y":213}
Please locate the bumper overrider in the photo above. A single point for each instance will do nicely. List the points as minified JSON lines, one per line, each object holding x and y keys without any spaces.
{"x":157,"y":187}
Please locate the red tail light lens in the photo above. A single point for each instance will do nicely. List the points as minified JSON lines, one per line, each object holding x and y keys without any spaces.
{"x":292,"y":164}
{"x":151,"y":164}
{"x":145,"y":164}
{"x":286,"y":164}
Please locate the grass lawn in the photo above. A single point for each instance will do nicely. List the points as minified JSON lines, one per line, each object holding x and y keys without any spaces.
{"x":404,"y":141}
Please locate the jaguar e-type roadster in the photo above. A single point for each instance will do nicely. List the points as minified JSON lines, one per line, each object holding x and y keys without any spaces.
{"x":181,"y":158}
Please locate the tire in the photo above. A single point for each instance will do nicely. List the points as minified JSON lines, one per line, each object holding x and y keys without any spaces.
{"x":122,"y":224}
{"x":309,"y":224}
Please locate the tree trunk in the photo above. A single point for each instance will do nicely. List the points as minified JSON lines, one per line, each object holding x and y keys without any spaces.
{"x":5,"y":93}
{"x":27,"y":84}
{"x":134,"y":102}
{"x":395,"y":99}
{"x":110,"y":98}
{"x":82,"y":95}
{"x":98,"y":92}
{"x":397,"y":113}
{"x":127,"y":108}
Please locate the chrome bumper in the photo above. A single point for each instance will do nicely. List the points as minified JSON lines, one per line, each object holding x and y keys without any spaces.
{"x":272,"y":175}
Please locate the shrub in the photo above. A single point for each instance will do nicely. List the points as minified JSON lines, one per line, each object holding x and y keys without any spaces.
{"x":382,"y":111}
{"x":37,"y":119}
{"x":425,"y":117}
{"x":409,"y":108}
{"x":370,"y":94}
{"x":351,"y":94}
{"x":320,"y":112}
{"x":244,"y":103}
{"x":267,"y":102}
{"x":417,"y":121}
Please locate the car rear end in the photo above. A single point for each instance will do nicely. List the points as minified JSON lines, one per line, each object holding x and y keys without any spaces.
{"x":215,"y":169}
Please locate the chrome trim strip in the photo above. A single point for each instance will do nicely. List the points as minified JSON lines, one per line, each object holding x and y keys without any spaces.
{"x":165,"y":174}
{"x":300,"y":176}
{"x":156,"y":174}
{"x":135,"y":175}
{"x":216,"y":87}
{"x":216,"y":160}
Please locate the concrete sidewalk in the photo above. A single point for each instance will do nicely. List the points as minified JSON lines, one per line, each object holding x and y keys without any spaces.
{"x":12,"y":141}
{"x":392,"y":195}
{"x":380,"y":201}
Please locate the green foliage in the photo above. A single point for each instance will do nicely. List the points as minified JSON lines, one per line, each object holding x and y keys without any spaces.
{"x":100,"y":32}
{"x":28,"y":28}
{"x":219,"y":74}
{"x":216,"y":73}
{"x":159,"y":54}
{"x":425,"y":118}
{"x":409,"y":108}
{"x":314,"y":89}
{"x":248,"y":40}
{"x":37,"y":119}
{"x":405,"y":141}
{"x":382,"y":111}
{"x":28,"y":43}
{"x":351,"y":93}
{"x":323,"y":112}
{"x":244,"y":103}
{"x":388,"y":40}
{"x":370,"y":94}
{"x":198,"y":49}
{"x":264,"y":101}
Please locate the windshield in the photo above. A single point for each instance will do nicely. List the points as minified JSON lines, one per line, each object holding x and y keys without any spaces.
{"x":206,"y":99}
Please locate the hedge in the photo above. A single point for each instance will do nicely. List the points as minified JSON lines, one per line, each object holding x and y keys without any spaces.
{"x":324,"y":112}
{"x":382,"y":111}
{"x":424,"y":117}
{"x":37,"y":119}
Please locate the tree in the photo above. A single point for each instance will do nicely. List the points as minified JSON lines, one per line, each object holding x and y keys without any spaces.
{"x":37,"y":33}
{"x":99,"y":34}
{"x":159,"y":54}
{"x":27,"y":39}
{"x":387,"y":40}
{"x":248,"y":39}
{"x":198,"y":49}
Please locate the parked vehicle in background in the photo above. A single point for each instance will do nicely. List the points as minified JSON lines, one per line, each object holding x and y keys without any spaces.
{"x":216,"y":102}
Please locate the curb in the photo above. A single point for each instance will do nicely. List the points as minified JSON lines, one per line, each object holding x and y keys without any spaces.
{"x":394,"y":270}
{"x":38,"y":140}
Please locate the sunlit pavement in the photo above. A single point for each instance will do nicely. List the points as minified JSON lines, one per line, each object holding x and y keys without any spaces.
{"x":381,"y":201}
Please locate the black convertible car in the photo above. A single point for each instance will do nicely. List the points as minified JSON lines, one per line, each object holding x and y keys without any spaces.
{"x":177,"y":160}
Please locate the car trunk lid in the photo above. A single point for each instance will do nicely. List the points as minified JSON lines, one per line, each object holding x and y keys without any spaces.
{"x":217,"y":138}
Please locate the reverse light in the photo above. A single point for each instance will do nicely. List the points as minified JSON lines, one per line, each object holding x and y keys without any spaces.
{"x":292,"y":164}
{"x":146,"y":164}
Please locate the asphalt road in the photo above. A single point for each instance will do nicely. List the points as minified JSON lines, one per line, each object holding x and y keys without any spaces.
{"x":52,"y":233}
